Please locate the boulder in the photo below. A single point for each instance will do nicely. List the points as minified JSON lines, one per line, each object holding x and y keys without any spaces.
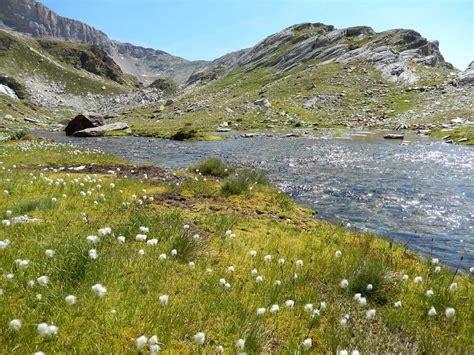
{"x":82,"y":122}
{"x":101,"y":130}
{"x":263,"y":103}
{"x":394,"y":136}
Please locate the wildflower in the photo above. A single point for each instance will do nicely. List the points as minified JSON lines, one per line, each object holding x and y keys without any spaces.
{"x":355,"y":352}
{"x":227,"y":286}
{"x":449,"y":312}
{"x":397,"y":304}
{"x":174,"y":252}
{"x":432,"y":312}
{"x":369,"y":287}
{"x":39,"y":297}
{"x":31,"y":283}
{"x":199,"y":338}
{"x":342,"y":352}
{"x":144,"y":230}
{"x":113,"y":312}
{"x":141,"y":342}
{"x":343,"y":322}
{"x":405,"y":277}
{"x":370,"y":314}
{"x":289,"y":303}
{"x":240,"y":344}
{"x":112,"y":185}
{"x":429,"y":293}
{"x":43,"y":280}
{"x":162,"y":257}
{"x":105,"y":231}
{"x":54,"y":200}
{"x":8,"y":213}
{"x":261,"y":311}
{"x":22,"y":263}
{"x":357,"y":296}
{"x":220,"y":349}
{"x":186,"y":226}
{"x":316,"y":313}
{"x":322,"y":306}
{"x":437,"y":269}
{"x":453,"y":286}
{"x":9,"y":277}
{"x":253,"y":253}
{"x":192,"y":265}
{"x":275,"y":308}
{"x":93,"y":254}
{"x":15,"y":325}
{"x":6,"y":222}
{"x":307,"y":343}
{"x":344,"y":283}
{"x":267,"y":258}
{"x":121,"y":239}
{"x":277,"y":283}
{"x":259,"y":279}
{"x":209,"y":270}
{"x":4,"y":244}
{"x":141,"y":252}
{"x":99,"y":290}
{"x":281,"y":261}
{"x":47,"y":330}
{"x":152,"y":242}
{"x":93,"y":239}
{"x":471,"y":269}
{"x":434,"y":261}
{"x":71,"y":299}
{"x":164,"y":299}
{"x":153,"y":340}
{"x":231,"y":268}
{"x":49,"y":253}
{"x":140,"y":237}
{"x":222,"y":281}
{"x":254,"y":272}
{"x":299,"y":263}
{"x":154,"y":349}
{"x":418,"y":280}
{"x":308,"y":307}
{"x":362,"y":301}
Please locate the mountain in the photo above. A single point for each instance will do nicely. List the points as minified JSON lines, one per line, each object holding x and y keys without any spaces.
{"x":33,"y":18}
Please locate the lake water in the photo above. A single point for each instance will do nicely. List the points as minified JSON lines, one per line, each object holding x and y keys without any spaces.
{"x":420,"y":192}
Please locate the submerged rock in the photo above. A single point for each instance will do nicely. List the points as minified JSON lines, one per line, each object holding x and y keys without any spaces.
{"x":394,"y":136}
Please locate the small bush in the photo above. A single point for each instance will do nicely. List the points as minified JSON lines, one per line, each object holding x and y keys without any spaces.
{"x":242,"y":181}
{"x":213,"y":167}
{"x":183,"y":135}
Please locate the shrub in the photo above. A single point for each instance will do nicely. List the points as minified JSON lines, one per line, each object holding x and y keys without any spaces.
{"x":183,"y":135}
{"x":242,"y":181}
{"x":213,"y":167}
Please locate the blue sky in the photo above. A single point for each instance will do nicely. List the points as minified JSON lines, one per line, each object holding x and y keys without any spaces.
{"x":207,"y":29}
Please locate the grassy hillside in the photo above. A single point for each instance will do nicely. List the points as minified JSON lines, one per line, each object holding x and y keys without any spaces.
{"x":226,"y":251}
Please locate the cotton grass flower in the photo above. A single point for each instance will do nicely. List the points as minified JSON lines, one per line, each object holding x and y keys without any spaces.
{"x":338,"y":254}
{"x":453,"y":287}
{"x":141,"y":341}
{"x":231,"y":269}
{"x":471,"y":269}
{"x":261,"y":311}
{"x":4,"y":244}
{"x":344,"y":284}
{"x":253,"y":253}
{"x":322,"y":306}
{"x":307,"y":343}
{"x":289,"y":303}
{"x":405,"y":277}
{"x":99,"y":290}
{"x":299,"y":263}
{"x":71,"y":300}
{"x":220,"y":349}
{"x":370,"y":314}
{"x":164,"y":299}
{"x":308,"y":307}
{"x":199,"y":338}
{"x":174,"y":252}
{"x":152,"y":242}
{"x":43,"y":280}
{"x":281,"y":261}
{"x":274,"y":308}
{"x":362,"y":301}
{"x":369,"y":287}
{"x":397,"y":304}
{"x":121,"y":239}
{"x":140,"y":237}
{"x":104,"y":231}
{"x":162,"y":257}
{"x":432,"y":312}
{"x":93,"y":254}
{"x":49,"y":253}
{"x":192,"y":265}
{"x":267,"y":258}
{"x":240,"y":344}
{"x":141,"y":252}
{"x":429,"y":293}
{"x":277,"y":283}
{"x":437,"y":269}
{"x":47,"y":330}
{"x":449,"y":312}
{"x":93,"y":239}
{"x":144,"y":230}
{"x":15,"y":325}
{"x":254,"y":272}
{"x":418,"y":280}
{"x":259,"y":279}
{"x":153,"y":340}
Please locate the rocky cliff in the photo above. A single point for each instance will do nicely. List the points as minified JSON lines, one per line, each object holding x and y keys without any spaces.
{"x":35,"y":19}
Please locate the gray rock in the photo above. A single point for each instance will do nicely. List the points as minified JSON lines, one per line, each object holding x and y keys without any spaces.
{"x":100,"y":131}
{"x":6,"y":90}
{"x":82,"y":122}
{"x":263,"y":103}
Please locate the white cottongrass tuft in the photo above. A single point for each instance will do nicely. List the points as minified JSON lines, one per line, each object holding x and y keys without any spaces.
{"x":261,"y":311}
{"x":104,"y":231}
{"x":289,"y":303}
{"x":369,"y":287}
{"x":307,"y":343}
{"x":277,"y":283}
{"x":397,"y":304}
{"x":253,"y":253}
{"x":338,"y":254}
{"x":259,"y":279}
{"x":43,"y":280}
{"x":71,"y":299}
{"x":49,"y":253}
{"x":344,"y":283}
{"x":93,"y":254}
{"x":281,"y":261}
{"x":192,"y":265}
{"x":418,"y":280}
{"x":15,"y":325}
{"x":47,"y":330}
{"x":432,"y":312}
{"x":93,"y":239}
{"x":453,"y":286}
{"x":141,"y":252}
{"x":164,"y":299}
{"x":121,"y":239}
{"x":144,"y":230}
{"x":141,"y":341}
{"x":219,"y":349}
{"x":140,"y":237}
{"x":240,"y":344}
{"x":429,"y":293}
{"x":99,"y":290}
{"x":370,"y":314}
{"x":274,"y":308}
{"x":471,"y":269}
{"x":199,"y":338}
{"x":405,"y":277}
{"x":437,"y":269}
{"x":449,"y":312}
{"x":299,"y":263}
{"x":152,"y":242}
{"x":308,"y":307}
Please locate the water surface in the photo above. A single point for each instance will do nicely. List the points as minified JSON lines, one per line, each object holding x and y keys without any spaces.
{"x":420,"y":192}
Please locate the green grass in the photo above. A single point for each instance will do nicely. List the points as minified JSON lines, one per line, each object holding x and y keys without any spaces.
{"x":243,"y":180}
{"x":214,"y":231}
{"x":212,"y":167}
{"x":457,"y":134}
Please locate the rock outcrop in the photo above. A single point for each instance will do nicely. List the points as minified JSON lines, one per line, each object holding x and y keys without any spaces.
{"x":467,"y":77}
{"x":102,"y":130}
